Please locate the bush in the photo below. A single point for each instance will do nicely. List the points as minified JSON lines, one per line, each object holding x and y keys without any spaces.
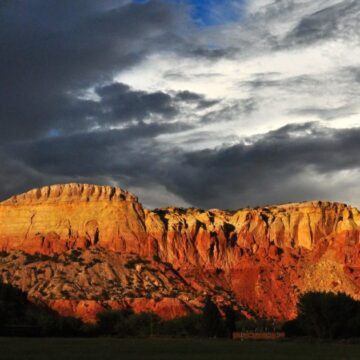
{"x":18,"y":316}
{"x":291,"y":328}
{"x":212,"y":323}
{"x":144,"y":324}
{"x":13,"y":305}
{"x":123,"y":323}
{"x":75,"y":256}
{"x":109,"y":322}
{"x":131,"y":263}
{"x":253,"y":325}
{"x":183,"y":326}
{"x":37,"y":257}
{"x":50,"y":323}
{"x":326,"y":316}
{"x":230,"y":320}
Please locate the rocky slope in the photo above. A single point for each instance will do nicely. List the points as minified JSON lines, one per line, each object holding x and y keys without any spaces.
{"x":82,"y":248}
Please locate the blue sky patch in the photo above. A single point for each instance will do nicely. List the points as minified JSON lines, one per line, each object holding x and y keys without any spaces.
{"x":212,"y":12}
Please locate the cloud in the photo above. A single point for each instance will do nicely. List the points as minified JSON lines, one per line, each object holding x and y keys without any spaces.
{"x":231,"y":111}
{"x":329,"y":113}
{"x":293,"y":163}
{"x":336,"y":21}
{"x":53,"y":50}
{"x":137,"y":94}
{"x":119,"y":103}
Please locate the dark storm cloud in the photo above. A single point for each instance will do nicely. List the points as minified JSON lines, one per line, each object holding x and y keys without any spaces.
{"x":49,"y":50}
{"x":280,"y":166}
{"x":339,"y":20}
{"x":15,"y":175}
{"x":119,"y":103}
{"x":189,"y":96}
{"x":57,"y":64}
{"x":64,"y":118}
{"x":131,"y":154}
{"x":99,"y":152}
{"x":194,"y":98}
{"x":211,"y":54}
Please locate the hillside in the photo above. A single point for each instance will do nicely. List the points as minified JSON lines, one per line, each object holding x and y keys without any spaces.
{"x":81,"y":248}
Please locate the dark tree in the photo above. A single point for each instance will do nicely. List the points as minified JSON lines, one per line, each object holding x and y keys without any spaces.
{"x":13,"y":305}
{"x":113,"y":322}
{"x":230,"y":320}
{"x":183,"y":326}
{"x":212,"y":323}
{"x":125,"y":323}
{"x":19,"y":316}
{"x":327,"y":316}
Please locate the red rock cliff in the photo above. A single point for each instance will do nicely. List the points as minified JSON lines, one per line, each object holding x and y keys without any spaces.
{"x":100,"y":247}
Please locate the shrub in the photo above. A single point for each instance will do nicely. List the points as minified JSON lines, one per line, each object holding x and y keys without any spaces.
{"x":143,"y":324}
{"x":183,"y":326}
{"x":326,"y":316}
{"x":18,"y":315}
{"x":75,"y":256}
{"x":37,"y":257}
{"x":257,"y":325}
{"x":291,"y":328}
{"x":110,"y":322}
{"x":133,"y":262}
{"x":212,"y":323}
{"x":124,"y":323}
{"x":130,"y":264}
{"x":230,"y":320}
{"x":13,"y":305}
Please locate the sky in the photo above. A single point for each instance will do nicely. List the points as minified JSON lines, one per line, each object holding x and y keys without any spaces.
{"x":225,"y":104}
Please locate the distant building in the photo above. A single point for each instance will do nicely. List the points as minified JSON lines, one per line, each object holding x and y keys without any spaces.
{"x":243,"y":335}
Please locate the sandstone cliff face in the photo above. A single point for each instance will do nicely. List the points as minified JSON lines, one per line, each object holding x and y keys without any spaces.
{"x":61,"y":217}
{"x":96,"y":247}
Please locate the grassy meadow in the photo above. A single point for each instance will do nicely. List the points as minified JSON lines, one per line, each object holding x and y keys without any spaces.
{"x":170,"y":349}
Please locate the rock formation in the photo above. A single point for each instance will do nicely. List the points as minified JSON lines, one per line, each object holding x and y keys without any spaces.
{"x":83,"y":248}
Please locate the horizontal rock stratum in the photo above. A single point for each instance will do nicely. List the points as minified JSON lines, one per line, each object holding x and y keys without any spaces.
{"x":81,"y":248}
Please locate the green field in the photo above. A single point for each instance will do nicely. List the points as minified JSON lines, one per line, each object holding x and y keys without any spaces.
{"x":170,"y":349}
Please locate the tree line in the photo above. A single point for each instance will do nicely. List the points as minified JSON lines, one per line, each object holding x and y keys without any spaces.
{"x":320,"y":315}
{"x":20,"y":317}
{"x":326,"y":316}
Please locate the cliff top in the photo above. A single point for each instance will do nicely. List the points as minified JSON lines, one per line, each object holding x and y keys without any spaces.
{"x":71,"y":192}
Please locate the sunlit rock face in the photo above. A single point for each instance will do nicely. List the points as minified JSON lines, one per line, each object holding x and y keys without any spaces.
{"x":61,"y":217}
{"x":82,"y":248}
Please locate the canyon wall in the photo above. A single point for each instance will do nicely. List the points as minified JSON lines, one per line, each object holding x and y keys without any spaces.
{"x":81,"y":248}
